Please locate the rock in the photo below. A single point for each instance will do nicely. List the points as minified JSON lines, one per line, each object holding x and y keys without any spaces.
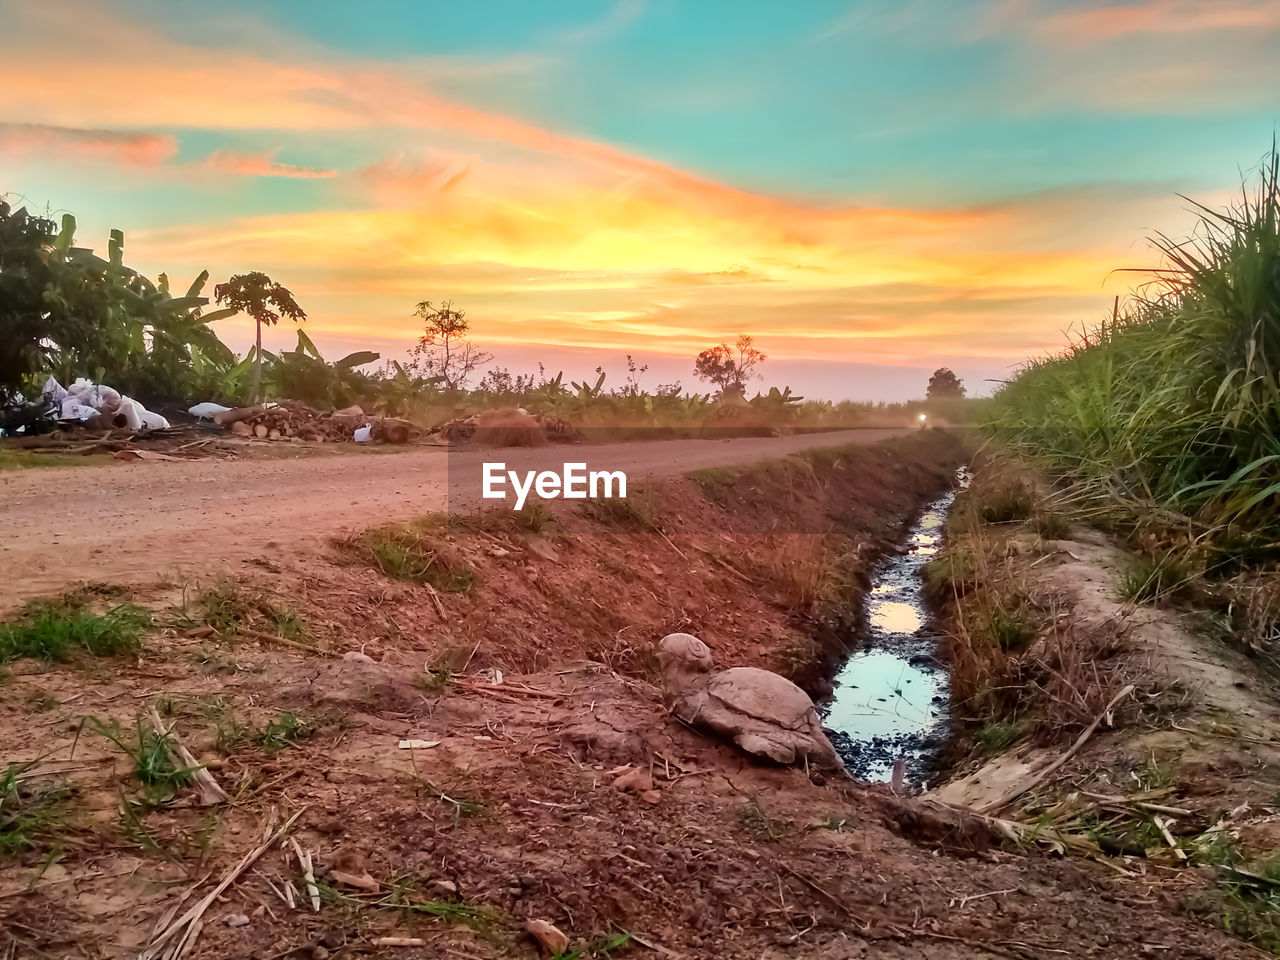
{"x":761,"y":712}
{"x":637,"y":781}
{"x":551,"y":942}
{"x":445,"y":886}
{"x":355,"y":656}
{"x":236,"y":920}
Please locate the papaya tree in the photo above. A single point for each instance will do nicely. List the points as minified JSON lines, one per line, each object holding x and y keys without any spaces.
{"x":266,"y":301}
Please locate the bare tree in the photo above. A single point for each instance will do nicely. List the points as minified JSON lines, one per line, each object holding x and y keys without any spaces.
{"x":443,"y":349}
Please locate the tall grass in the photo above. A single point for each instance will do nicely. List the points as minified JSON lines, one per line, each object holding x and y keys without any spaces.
{"x":1174,"y":402}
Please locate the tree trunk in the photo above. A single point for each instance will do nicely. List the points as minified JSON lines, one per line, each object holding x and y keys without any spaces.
{"x":257,"y":363}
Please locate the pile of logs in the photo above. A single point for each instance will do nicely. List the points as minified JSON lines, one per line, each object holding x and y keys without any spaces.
{"x":292,"y":419}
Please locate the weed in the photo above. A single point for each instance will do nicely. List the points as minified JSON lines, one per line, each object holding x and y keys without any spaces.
{"x":43,"y":702}
{"x":1252,"y":905}
{"x":997,"y":736}
{"x":213,"y":660}
{"x":634,"y":512}
{"x":801,"y":569}
{"x":1006,"y":500}
{"x":419,"y":553}
{"x":133,"y":829}
{"x":835,"y":822}
{"x":1050,"y":524}
{"x":437,"y":675}
{"x":1002,"y":621}
{"x":231,"y":608}
{"x":149,"y":750}
{"x":434,"y":679}
{"x":755,"y":818}
{"x":284,"y":731}
{"x":597,"y":947}
{"x":52,"y":630}
{"x":715,"y":482}
{"x":31,"y":818}
{"x":534,"y":517}
{"x":1150,"y":579}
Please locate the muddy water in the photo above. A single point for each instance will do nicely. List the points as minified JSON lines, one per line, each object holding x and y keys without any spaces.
{"x":891,"y":696}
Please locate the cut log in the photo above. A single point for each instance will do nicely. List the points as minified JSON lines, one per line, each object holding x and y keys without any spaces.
{"x":261,"y":431}
{"x":239,"y":413}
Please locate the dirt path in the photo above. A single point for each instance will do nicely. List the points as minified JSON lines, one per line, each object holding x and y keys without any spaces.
{"x":67,"y":524}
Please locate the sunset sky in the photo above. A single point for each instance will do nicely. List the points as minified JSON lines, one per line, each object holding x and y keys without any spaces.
{"x":872,"y":189}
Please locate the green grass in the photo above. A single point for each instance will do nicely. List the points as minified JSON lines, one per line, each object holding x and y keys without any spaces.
{"x":1151,"y":579}
{"x":603,"y":946}
{"x":53,"y":629}
{"x":1173,"y":403}
{"x":149,"y":752}
{"x":1251,"y":909}
{"x":284,"y":731}
{"x":997,"y":736}
{"x":281,"y":732}
{"x":418,"y":553}
{"x":31,"y":818}
{"x":23,"y":460}
{"x":230,"y":607}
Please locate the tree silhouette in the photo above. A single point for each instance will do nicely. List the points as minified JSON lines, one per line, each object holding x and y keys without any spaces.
{"x":944,"y":383}
{"x":266,"y":301}
{"x":729,"y":368}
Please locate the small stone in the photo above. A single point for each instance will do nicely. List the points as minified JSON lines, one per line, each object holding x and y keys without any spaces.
{"x":445,"y":886}
{"x":236,"y":920}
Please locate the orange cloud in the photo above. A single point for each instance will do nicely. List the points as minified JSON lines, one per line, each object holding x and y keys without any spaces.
{"x":130,"y":148}
{"x":261,"y":165}
{"x":1164,"y":17}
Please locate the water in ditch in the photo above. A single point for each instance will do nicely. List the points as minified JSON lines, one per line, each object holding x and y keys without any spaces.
{"x":891,"y":696}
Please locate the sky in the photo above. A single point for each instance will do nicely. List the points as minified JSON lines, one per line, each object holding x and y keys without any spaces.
{"x":870,"y":188}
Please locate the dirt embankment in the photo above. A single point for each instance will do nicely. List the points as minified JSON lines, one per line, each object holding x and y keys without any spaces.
{"x":541,"y":778}
{"x":1103,"y":720}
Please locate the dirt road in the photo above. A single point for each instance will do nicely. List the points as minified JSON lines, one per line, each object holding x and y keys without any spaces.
{"x":132,"y":522}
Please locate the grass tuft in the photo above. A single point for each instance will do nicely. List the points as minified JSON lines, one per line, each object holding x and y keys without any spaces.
{"x":51,"y":630}
{"x":31,"y":818}
{"x":418,"y":552}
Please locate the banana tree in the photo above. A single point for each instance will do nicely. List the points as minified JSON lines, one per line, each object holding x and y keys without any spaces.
{"x":304,"y":374}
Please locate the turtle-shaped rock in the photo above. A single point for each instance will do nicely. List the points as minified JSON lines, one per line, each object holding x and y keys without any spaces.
{"x":763,"y":713}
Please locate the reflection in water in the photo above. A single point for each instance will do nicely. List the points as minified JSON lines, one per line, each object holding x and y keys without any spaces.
{"x":895,"y":617}
{"x":891,"y":696}
{"x":882,"y":694}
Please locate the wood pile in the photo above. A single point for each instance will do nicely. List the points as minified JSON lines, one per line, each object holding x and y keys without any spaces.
{"x":293,"y":419}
